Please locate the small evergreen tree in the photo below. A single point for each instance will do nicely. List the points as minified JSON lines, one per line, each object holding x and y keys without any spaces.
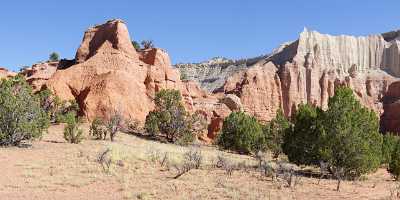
{"x":54,"y":57}
{"x":353,"y":143}
{"x":304,"y":141}
{"x":136,"y":45}
{"x":170,"y":119}
{"x":242,"y":133}
{"x":21,"y":115}
{"x":275,"y":132}
{"x":394,"y":165}
{"x":388,"y":146}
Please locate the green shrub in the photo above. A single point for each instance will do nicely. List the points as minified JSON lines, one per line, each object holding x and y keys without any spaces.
{"x":388,"y":146}
{"x":54,"y":57}
{"x":21,"y":115}
{"x":394,"y":165}
{"x":136,"y":45}
{"x":97,"y":129}
{"x":63,"y":108}
{"x":275,"y":132}
{"x":72,"y":132}
{"x":303,"y":142}
{"x":170,"y":120}
{"x":184,"y":76}
{"x":242,"y":133}
{"x":353,"y":142}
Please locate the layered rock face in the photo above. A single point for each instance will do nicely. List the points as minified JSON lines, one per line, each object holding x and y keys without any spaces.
{"x":212,"y":74}
{"x":309,"y":69}
{"x":314,"y":65}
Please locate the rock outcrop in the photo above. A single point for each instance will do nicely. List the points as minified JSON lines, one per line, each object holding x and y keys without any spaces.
{"x":110,"y":75}
{"x":5,"y":73}
{"x":39,"y":74}
{"x":390,"y":119}
{"x":259,"y":89}
{"x":309,"y":69}
{"x":212,"y":74}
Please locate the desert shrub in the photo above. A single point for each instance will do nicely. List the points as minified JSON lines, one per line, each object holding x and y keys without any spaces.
{"x":275,"y":132}
{"x":147,"y":44}
{"x":353,"y":142}
{"x":21,"y":115}
{"x":242,"y":133}
{"x":98,"y":129}
{"x":72,"y":132}
{"x":114,"y":124}
{"x":63,"y":108}
{"x":184,"y":76}
{"x":132,"y":125}
{"x":136,"y":45}
{"x":54,"y":57}
{"x":394,"y":164}
{"x":388,"y":146}
{"x":192,"y":160}
{"x":170,"y":120}
{"x":303,"y":142}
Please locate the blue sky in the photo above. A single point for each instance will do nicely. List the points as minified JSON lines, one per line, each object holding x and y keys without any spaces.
{"x":190,"y":30}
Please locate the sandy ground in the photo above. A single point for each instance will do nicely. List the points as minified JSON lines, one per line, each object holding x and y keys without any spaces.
{"x":53,"y":169}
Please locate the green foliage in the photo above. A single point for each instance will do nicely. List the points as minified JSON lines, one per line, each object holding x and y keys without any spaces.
{"x":72,"y":132}
{"x":388,"y":146}
{"x":170,"y":119}
{"x":97,"y":129}
{"x":21,"y":114}
{"x":394,"y":164}
{"x":62,"y":108}
{"x":54,"y":57}
{"x":136,"y":45}
{"x":345,"y":136}
{"x":353,"y":143}
{"x":303,"y":142}
{"x":242,"y":133}
{"x":275,"y":132}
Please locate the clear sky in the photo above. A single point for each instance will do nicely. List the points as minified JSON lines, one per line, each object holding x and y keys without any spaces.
{"x":190,"y":30}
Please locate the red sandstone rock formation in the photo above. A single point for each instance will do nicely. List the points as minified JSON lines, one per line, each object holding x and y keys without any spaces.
{"x":5,"y":73}
{"x":110,"y":75}
{"x":309,"y":69}
{"x":39,"y":74}
{"x":259,"y":89}
{"x":390,"y":120}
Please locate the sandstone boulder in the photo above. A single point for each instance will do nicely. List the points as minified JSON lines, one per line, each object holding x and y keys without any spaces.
{"x":233,"y":102}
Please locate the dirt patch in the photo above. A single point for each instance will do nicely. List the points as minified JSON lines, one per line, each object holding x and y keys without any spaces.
{"x":53,"y":169}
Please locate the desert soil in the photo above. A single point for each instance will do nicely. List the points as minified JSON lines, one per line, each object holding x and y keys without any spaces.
{"x":53,"y":169}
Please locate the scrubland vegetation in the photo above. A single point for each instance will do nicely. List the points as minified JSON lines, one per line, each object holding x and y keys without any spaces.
{"x":341,"y":143}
